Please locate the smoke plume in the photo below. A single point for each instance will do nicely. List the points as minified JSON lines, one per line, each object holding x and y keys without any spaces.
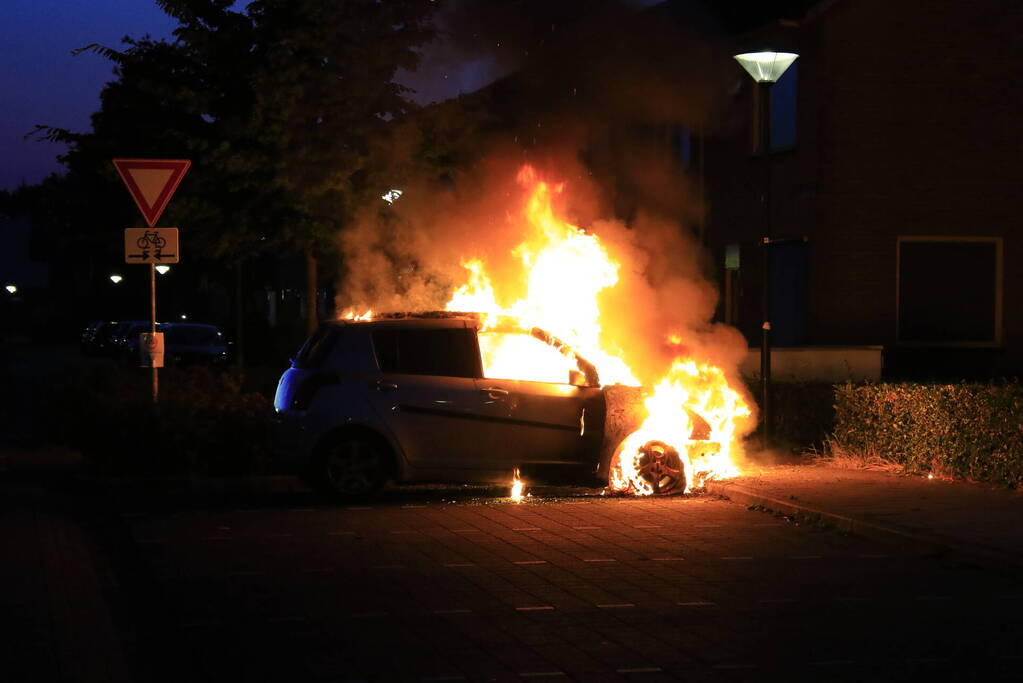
{"x":594,"y":95}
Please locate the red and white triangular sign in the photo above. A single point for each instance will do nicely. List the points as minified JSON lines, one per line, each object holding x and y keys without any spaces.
{"x":152,"y":183}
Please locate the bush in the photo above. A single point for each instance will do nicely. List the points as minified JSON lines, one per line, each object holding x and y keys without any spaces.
{"x":971,"y":431}
{"x":205,"y":424}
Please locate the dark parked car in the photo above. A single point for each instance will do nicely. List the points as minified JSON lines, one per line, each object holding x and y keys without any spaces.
{"x":193,"y":343}
{"x":184,"y":343}
{"x":96,"y":337}
{"x":407,"y":400}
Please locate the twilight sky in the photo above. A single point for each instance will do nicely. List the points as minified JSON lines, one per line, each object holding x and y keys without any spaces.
{"x":43,"y":83}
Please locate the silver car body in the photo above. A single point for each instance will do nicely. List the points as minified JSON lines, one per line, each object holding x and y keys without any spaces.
{"x":418,"y":384}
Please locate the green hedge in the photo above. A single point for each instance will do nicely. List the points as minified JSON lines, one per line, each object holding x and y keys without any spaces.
{"x":205,"y":426}
{"x":971,"y":431}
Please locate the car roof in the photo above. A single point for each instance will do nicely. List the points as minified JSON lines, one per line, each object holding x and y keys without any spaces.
{"x":433,"y":319}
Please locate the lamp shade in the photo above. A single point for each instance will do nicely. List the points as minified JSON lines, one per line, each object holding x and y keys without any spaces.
{"x":766,"y":67}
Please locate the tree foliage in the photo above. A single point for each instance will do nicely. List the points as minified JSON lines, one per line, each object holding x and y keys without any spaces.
{"x":279,"y":105}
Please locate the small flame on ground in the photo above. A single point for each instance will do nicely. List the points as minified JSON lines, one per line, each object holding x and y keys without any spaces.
{"x":516,"y":487}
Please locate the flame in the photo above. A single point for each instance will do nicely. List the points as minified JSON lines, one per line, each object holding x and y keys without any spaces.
{"x":690,"y":389}
{"x":350,"y":314}
{"x":690,"y":432}
{"x":516,"y":487}
{"x":566,"y":268}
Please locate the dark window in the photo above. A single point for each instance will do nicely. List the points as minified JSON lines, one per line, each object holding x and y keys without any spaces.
{"x":449,"y":352}
{"x":783,"y":111}
{"x":788,"y":293}
{"x":316,"y":348}
{"x":682,"y":142}
{"x":948,"y":291}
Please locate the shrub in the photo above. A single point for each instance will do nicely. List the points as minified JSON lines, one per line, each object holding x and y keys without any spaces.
{"x":972,"y":431}
{"x":204,"y":425}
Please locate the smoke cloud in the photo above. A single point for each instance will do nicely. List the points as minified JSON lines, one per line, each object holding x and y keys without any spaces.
{"x":597,"y":91}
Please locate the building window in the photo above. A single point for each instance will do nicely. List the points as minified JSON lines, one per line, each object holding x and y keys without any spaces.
{"x":783,"y":111}
{"x":949,"y":291}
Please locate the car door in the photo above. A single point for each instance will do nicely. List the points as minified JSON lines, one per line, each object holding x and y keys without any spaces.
{"x":426,"y":394}
{"x":543,"y":423}
{"x":540,"y":421}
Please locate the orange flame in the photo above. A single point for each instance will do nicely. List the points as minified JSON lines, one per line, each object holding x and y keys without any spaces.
{"x":516,"y":487}
{"x":350,"y":314}
{"x":689,"y":435}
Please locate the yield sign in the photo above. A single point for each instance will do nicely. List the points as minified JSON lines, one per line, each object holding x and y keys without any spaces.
{"x":152,"y":182}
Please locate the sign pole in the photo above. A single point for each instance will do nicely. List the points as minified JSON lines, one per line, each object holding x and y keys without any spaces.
{"x":152,"y":326}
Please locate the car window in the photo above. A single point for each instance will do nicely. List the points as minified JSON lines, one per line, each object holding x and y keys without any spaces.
{"x":316,"y":348}
{"x":450,"y":352}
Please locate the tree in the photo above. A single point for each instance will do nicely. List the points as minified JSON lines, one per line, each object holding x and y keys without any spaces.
{"x":279,"y":106}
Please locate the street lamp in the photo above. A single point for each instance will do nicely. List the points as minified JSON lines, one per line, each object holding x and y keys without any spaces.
{"x":11,"y":289}
{"x":162,"y":269}
{"x":115,"y":278}
{"x":766,"y":68}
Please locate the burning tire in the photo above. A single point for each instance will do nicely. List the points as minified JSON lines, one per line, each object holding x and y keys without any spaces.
{"x":654,"y":468}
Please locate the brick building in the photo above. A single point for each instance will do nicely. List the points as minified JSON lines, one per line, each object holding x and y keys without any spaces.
{"x":898,"y":154}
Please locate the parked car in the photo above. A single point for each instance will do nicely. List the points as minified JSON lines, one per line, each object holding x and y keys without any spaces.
{"x":184,"y":343}
{"x":119,"y":335}
{"x":407,"y":400}
{"x":193,"y":343}
{"x":126,"y":340}
{"x":96,"y":337}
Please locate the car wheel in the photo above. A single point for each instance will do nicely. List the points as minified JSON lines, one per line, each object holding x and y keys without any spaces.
{"x":658,"y":464}
{"x":353,"y":466}
{"x":662,"y":467}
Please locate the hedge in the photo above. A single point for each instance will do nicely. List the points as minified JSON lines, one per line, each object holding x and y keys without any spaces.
{"x":205,"y":425}
{"x":971,"y":431}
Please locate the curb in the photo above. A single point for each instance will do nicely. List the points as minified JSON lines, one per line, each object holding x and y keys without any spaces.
{"x":921,"y":542}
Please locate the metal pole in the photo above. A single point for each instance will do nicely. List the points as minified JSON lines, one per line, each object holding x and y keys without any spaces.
{"x":152,"y":327}
{"x":765,"y":344}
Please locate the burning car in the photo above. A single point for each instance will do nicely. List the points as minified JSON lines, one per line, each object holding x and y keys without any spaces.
{"x":407,"y":398}
{"x":514,"y":387}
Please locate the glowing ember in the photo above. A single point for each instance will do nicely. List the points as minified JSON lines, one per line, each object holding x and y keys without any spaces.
{"x":516,"y":487}
{"x":690,"y":432}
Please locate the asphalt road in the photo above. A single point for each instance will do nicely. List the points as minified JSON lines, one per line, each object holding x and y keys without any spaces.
{"x":441,"y":584}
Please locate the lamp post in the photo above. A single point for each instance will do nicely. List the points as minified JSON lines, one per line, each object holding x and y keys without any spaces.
{"x":766,"y":68}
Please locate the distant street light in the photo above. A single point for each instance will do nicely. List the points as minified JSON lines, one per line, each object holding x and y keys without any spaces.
{"x":115,"y":278}
{"x":391,"y":195}
{"x":11,"y":289}
{"x":162,"y":269}
{"x":766,"y":68}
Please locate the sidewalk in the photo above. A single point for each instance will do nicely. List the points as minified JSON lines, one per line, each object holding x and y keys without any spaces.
{"x":972,"y":521}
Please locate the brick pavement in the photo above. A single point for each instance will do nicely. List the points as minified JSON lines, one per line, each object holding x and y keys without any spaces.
{"x":589,"y":589}
{"x":977,"y":521}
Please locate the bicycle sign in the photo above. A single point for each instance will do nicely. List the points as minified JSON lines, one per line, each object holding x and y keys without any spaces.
{"x":151,"y":245}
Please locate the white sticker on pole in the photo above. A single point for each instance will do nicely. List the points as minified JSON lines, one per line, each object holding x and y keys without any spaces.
{"x":151,"y":349}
